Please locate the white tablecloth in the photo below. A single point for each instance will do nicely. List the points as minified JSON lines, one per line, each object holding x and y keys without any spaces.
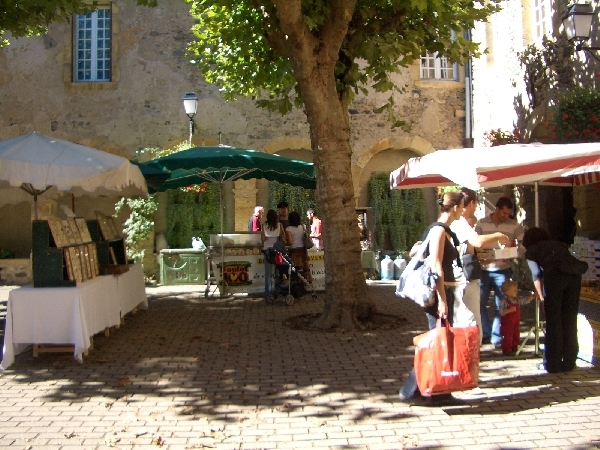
{"x":60,"y":315}
{"x":131,"y":289}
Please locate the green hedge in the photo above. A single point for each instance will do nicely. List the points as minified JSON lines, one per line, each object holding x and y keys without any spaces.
{"x":400,"y":215}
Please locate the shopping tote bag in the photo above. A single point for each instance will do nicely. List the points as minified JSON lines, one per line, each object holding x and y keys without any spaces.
{"x":447,"y":359}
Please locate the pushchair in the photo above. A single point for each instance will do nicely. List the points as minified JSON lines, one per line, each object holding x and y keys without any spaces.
{"x":295,"y":283}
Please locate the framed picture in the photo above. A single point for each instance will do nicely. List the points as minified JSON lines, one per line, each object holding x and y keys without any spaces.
{"x":68,"y":264}
{"x":114,"y":228}
{"x":75,"y":262}
{"x":84,"y":231}
{"x":75,"y":230}
{"x":93,"y":254}
{"x":56,"y":230}
{"x":105,"y":226}
{"x":66,"y":227}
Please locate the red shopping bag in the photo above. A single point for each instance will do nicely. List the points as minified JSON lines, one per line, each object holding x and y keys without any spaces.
{"x":447,"y":359}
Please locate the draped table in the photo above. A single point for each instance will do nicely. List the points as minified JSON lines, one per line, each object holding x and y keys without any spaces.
{"x":70,"y":315}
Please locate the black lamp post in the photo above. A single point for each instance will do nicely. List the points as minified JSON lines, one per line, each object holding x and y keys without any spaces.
{"x":578,"y":26}
{"x":190,"y":104}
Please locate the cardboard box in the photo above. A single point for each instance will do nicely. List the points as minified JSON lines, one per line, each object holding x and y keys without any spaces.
{"x":505,"y":253}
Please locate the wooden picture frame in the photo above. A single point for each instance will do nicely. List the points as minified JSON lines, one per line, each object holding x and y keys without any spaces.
{"x":66,"y":227}
{"x":75,"y":262}
{"x":68,"y":264}
{"x":93,"y":253}
{"x":85,"y":262}
{"x":84,"y":231}
{"x":56,"y":230}
{"x":75,"y":230}
{"x":105,"y":226}
{"x":114,"y":228}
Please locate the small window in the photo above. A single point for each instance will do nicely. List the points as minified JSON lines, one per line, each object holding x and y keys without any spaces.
{"x":437,"y":68}
{"x":542,"y":18}
{"x":92,"y":46}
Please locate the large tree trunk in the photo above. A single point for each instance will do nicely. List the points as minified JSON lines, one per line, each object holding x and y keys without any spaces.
{"x":313,"y":59}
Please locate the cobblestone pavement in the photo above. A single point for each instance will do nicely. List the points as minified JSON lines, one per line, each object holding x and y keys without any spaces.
{"x":227,"y":374}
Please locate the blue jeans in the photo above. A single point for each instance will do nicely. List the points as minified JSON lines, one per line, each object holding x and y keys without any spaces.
{"x":492,"y":280}
{"x":269,"y":288}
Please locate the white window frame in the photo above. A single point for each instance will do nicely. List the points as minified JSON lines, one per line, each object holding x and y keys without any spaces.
{"x":92,"y":46}
{"x":542,"y":18}
{"x":439,"y":67}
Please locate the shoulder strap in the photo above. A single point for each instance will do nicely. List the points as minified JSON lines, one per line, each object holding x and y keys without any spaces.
{"x":453,"y":236}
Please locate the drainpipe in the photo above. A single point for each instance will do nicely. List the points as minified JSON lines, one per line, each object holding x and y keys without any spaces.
{"x":468,"y":140}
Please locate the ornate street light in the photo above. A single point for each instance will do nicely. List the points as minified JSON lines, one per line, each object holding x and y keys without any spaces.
{"x":578,"y":26}
{"x":190,"y":104}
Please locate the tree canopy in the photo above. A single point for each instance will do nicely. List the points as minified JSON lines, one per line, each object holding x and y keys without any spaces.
{"x":243,"y":46}
{"x":24,"y":18}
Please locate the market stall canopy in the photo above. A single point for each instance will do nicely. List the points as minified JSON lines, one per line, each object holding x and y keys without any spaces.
{"x":554,"y":164}
{"x":36,"y":163}
{"x":222,"y":163}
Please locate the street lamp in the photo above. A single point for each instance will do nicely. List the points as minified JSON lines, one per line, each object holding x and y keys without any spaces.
{"x":578,"y":26}
{"x":190,"y":104}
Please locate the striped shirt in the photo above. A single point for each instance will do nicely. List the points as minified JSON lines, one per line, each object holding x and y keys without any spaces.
{"x":509,"y":227}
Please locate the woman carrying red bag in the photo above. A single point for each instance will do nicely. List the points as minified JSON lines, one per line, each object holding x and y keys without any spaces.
{"x":443,"y":253}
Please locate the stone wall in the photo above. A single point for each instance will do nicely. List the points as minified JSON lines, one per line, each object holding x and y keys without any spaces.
{"x":15,"y":271}
{"x":142,"y":108}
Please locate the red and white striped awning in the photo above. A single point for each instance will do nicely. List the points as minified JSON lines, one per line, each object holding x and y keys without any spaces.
{"x":553,"y":164}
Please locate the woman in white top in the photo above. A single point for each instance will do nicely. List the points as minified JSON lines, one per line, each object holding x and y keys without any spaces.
{"x":270,"y":233}
{"x":295,"y":239}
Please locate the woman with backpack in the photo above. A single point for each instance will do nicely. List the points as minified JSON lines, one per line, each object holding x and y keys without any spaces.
{"x":443,"y":254}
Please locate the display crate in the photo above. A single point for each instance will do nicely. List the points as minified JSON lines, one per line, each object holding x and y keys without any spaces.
{"x":49,"y":265}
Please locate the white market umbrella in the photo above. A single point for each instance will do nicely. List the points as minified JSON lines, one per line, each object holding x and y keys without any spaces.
{"x":36,"y":163}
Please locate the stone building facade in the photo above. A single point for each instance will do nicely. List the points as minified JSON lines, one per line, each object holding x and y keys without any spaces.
{"x":140,"y":107}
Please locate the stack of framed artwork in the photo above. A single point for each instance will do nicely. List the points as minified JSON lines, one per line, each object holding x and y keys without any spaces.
{"x":79,"y":252}
{"x":63,"y":253}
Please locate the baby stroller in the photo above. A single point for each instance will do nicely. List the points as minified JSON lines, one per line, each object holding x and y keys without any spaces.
{"x":295,"y":282}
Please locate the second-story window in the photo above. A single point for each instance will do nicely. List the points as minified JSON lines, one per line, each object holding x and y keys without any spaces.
{"x":542,"y":17}
{"x":92,"y":46}
{"x":437,"y":68}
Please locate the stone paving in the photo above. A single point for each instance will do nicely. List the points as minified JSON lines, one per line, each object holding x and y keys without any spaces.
{"x":192,"y":373}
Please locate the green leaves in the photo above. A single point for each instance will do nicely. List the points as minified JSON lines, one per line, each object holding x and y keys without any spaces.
{"x":241,"y":46}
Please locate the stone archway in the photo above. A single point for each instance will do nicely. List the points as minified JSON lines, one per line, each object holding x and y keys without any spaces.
{"x":385,"y":156}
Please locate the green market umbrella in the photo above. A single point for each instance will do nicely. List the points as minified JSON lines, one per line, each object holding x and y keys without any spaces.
{"x":220,"y":164}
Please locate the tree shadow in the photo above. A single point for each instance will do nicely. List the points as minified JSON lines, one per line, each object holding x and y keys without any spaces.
{"x":226,"y":360}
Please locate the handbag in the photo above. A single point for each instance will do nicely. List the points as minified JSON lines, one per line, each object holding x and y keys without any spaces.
{"x":447,"y":359}
{"x":418,"y":281}
{"x":471,"y":266}
{"x":308,"y":242}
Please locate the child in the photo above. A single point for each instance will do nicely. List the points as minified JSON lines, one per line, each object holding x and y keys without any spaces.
{"x":510,"y":312}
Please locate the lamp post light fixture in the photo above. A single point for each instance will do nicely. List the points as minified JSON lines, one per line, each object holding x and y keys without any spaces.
{"x":577,"y":23}
{"x":190,"y":104}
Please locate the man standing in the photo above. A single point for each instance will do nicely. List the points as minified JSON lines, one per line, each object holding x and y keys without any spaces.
{"x":259,"y":211}
{"x":469,"y":241}
{"x":496,"y":272}
{"x":283,"y":214}
{"x":316,"y":228}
